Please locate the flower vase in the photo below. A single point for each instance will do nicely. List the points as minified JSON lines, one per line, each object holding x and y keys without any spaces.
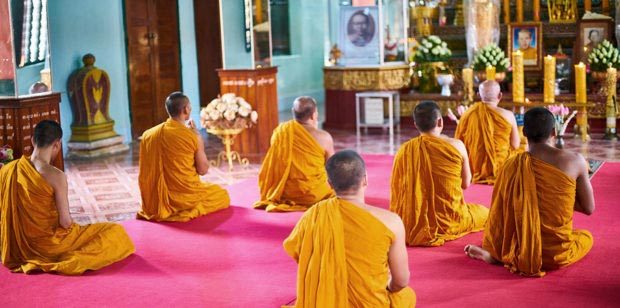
{"x":227,"y":135}
{"x":445,"y":80}
{"x":559,"y":141}
{"x":427,"y":80}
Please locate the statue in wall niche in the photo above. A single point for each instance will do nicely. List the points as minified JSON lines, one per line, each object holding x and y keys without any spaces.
{"x":92,"y":129}
{"x":89,"y":92}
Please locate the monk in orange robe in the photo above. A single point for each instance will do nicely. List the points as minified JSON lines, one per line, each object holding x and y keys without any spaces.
{"x":350,"y":254}
{"x":530,"y":225}
{"x":428,"y":178}
{"x":293,"y":176}
{"x":36,"y":229}
{"x":172,"y":158}
{"x":489,"y":132}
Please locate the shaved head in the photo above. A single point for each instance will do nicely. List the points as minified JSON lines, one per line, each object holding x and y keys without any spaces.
{"x":175,"y":103}
{"x":489,"y":90}
{"x":538,"y":124}
{"x":345,"y":171}
{"x":303,"y":108}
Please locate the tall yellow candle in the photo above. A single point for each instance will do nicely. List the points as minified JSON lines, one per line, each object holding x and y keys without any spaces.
{"x":468,"y":84}
{"x":587,"y":5}
{"x":549,"y":88}
{"x":506,"y":7}
{"x":490,"y":72}
{"x":519,"y":11}
{"x":580,"y":83}
{"x":536,"y":9}
{"x":612,"y":74}
{"x":518,"y":94}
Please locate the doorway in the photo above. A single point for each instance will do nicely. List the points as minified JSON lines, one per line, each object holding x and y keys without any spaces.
{"x":153,"y":56}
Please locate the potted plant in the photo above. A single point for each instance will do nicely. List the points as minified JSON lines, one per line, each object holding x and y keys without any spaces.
{"x":491,"y":55}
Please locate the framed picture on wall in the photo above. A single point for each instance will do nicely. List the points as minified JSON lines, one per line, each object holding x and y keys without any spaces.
{"x":590,"y":33}
{"x":359,"y":35}
{"x":527,"y":37}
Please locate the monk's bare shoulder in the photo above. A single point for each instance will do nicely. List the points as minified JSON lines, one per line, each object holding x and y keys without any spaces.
{"x":391,"y":220}
{"x":456,"y":143}
{"x":52,"y":175}
{"x":507,"y":114}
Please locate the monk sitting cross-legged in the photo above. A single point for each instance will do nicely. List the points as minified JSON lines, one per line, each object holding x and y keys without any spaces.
{"x":172,"y":158}
{"x":293,"y":177}
{"x":530,"y":224}
{"x":489,"y":133}
{"x":428,"y":178}
{"x":350,"y":254}
{"x":36,"y":229}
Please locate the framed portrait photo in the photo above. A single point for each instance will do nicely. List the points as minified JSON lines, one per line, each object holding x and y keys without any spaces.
{"x":526,"y":37}
{"x":359,"y":35}
{"x":590,"y":33}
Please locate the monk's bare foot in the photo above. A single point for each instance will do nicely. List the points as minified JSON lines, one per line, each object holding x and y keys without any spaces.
{"x":479,"y":253}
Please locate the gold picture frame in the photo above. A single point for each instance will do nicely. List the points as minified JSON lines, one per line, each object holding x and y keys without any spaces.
{"x":527,"y":37}
{"x":587,"y":29}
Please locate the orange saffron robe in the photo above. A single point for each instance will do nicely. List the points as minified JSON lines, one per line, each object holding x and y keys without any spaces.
{"x":426,"y":193}
{"x":530,"y":225}
{"x":31,"y":238}
{"x":342,"y":252}
{"x":293,"y":176}
{"x":170,"y":186}
{"x":486,"y":135}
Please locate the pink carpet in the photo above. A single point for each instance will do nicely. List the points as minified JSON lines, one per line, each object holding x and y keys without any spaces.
{"x":234,"y":258}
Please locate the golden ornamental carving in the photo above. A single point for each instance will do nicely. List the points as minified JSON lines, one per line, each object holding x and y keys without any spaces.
{"x":366,"y":79}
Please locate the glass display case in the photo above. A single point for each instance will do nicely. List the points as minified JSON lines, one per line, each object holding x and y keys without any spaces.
{"x":24,"y":52}
{"x":368,"y":32}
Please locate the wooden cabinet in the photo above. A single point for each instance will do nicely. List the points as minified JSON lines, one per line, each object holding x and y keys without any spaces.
{"x":259,"y":88}
{"x":19,"y":115}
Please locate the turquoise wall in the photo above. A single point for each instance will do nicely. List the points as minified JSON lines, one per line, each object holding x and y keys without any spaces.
{"x":189,"y":59}
{"x":302,"y":72}
{"x":235,"y":55}
{"x":298,"y":74}
{"x":97,"y":27}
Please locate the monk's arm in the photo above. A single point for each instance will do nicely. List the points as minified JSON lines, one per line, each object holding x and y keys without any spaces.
{"x":515,"y":139}
{"x":397,"y":258}
{"x":328,"y":144}
{"x":61,"y":196}
{"x":465,"y":169}
{"x":584,"y":201}
{"x":202,"y":163}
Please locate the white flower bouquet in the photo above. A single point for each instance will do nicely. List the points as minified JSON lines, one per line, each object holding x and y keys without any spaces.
{"x":228,"y":112}
{"x":432,"y":49}
{"x":491,"y":55}
{"x":603,"y":56}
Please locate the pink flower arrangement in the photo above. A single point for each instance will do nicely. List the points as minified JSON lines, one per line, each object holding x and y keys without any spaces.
{"x":461,"y":109}
{"x":561,"y":122}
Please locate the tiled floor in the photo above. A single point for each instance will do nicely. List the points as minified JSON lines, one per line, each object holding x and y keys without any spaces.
{"x":106,"y":189}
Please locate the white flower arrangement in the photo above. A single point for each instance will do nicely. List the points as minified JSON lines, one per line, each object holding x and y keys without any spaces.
{"x":228,"y":112}
{"x":491,"y":55}
{"x":603,"y":56}
{"x":432,"y":49}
